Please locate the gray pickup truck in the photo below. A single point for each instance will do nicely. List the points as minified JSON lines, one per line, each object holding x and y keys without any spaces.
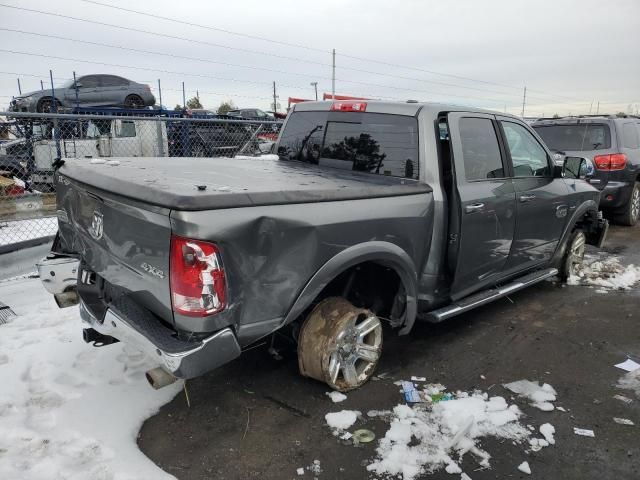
{"x":370,"y":212}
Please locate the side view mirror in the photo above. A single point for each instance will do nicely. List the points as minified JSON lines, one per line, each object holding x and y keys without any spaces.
{"x":577,"y":167}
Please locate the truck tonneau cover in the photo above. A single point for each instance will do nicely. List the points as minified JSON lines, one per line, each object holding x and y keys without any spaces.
{"x":232,"y":182}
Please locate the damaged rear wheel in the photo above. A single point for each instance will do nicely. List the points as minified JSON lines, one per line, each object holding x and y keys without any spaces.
{"x":340,"y":344}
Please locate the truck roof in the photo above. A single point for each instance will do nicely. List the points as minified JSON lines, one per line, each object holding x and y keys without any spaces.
{"x":399,"y":108}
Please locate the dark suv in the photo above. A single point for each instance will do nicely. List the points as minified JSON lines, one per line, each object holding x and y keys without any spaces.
{"x":613,"y":145}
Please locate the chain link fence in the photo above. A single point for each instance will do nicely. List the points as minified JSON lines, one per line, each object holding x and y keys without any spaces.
{"x":31,"y":144}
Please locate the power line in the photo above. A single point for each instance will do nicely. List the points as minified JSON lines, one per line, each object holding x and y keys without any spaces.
{"x":296,"y":45}
{"x":369,"y":72}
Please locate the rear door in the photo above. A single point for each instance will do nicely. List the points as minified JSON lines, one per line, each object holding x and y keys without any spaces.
{"x":542,"y":200}
{"x":113,"y":90}
{"x":486,"y":202}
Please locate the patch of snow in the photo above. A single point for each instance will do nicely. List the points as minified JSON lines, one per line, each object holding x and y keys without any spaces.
{"x":631,"y":381}
{"x":605,"y":271}
{"x":113,"y":163}
{"x":257,"y":157}
{"x":342,"y":420}
{"x":300,"y":471}
{"x":418,"y":379}
{"x":97,"y":161}
{"x":336,"y":397}
{"x":540,"y":396}
{"x":422,"y":440}
{"x":464,"y":476}
{"x":315,"y":467}
{"x":623,"y":421}
{"x":538,"y":444}
{"x":67,"y":409}
{"x":525,"y":468}
{"x":453,"y":468}
{"x":547,"y":430}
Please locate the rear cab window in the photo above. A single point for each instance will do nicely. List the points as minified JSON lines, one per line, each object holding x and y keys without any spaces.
{"x":377,"y":143}
{"x":576,"y":137}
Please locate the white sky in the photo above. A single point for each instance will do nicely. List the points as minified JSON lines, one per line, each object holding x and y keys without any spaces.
{"x":568,"y":53}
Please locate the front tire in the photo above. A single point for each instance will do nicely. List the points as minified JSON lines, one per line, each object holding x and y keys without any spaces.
{"x":45,"y":105}
{"x":573,"y":255}
{"x":631,"y":211}
{"x":340,"y":344}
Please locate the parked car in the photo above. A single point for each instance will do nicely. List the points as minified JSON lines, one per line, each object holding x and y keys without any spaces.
{"x":250,"y":114}
{"x":613,"y":145}
{"x":91,"y":90}
{"x":369,"y":213}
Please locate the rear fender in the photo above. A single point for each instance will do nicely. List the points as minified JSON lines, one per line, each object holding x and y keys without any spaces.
{"x":384,"y":253}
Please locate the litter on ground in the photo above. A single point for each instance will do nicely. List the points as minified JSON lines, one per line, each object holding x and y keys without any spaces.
{"x":418,"y":379}
{"x":628,"y":365}
{"x":631,"y":381}
{"x":623,"y":421}
{"x":583,"y":432}
{"x":541,"y":396}
{"x":622,"y":398}
{"x":525,"y":468}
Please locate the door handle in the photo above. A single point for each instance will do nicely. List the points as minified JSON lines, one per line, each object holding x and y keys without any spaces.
{"x":527,"y":198}
{"x":475,"y":207}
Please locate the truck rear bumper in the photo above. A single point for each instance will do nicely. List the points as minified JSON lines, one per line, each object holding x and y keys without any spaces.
{"x":136,"y":326}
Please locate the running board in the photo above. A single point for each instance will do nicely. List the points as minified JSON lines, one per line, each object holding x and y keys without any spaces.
{"x":486,"y":296}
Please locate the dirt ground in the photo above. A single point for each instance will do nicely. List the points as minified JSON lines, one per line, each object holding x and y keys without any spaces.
{"x":258,"y":418}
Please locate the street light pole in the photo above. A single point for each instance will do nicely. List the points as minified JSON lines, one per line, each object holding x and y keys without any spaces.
{"x":315,"y":87}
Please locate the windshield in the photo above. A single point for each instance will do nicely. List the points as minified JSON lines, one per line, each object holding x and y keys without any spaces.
{"x":576,"y":137}
{"x":367,"y":142}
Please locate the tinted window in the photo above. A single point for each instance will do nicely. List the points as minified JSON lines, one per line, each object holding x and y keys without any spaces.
{"x":90,"y":81}
{"x":629,"y":135}
{"x":480,"y":150}
{"x":584,"y":137}
{"x":528,"y":157}
{"x":367,"y":142}
{"x":113,"y":81}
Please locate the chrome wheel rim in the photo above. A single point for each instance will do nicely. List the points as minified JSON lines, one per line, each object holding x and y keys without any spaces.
{"x":339,"y":344}
{"x":356,"y":353}
{"x":576,"y":254}
{"x":635,"y":204}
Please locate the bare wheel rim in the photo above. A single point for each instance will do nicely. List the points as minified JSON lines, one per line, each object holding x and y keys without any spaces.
{"x":133,"y":102}
{"x":576,"y":254}
{"x":635,"y":203}
{"x":340,"y":344}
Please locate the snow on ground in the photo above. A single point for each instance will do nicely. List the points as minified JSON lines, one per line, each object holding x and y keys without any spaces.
{"x":541,"y":396}
{"x":342,"y":420}
{"x":606,"y":272}
{"x":336,"y":397}
{"x":426,"y":437}
{"x":69,"y":410}
{"x":21,"y":230}
{"x":631,"y":381}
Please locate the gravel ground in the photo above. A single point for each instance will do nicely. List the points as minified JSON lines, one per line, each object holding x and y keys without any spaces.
{"x":258,"y":418}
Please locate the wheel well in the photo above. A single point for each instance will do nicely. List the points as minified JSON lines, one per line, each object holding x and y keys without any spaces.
{"x":370,"y":285}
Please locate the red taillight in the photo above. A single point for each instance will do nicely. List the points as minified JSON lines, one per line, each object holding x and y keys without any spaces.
{"x":615,"y":161}
{"x":198,"y":283}
{"x":349,"y":107}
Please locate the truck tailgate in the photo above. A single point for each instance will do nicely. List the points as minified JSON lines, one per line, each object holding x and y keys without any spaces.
{"x":124,"y":242}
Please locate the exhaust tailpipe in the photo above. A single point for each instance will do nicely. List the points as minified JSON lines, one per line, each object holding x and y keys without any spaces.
{"x":159,"y":377}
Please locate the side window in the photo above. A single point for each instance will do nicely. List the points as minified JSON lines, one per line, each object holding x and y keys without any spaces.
{"x":113,"y":81}
{"x":527,"y":155}
{"x":125,"y":128}
{"x":480,"y":149}
{"x":629,"y":136}
{"x":90,"y":81}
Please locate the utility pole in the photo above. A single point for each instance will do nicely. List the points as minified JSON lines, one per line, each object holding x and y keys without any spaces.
{"x":333,"y":75}
{"x":315,"y":86}
{"x":184,"y":97}
{"x":160,"y":94}
{"x":20,"y":88}
{"x":198,"y":95}
{"x":275,"y":102}
{"x":524,"y":100}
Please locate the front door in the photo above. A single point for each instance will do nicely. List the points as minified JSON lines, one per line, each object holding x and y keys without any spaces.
{"x":89,"y":92}
{"x":486,"y":199}
{"x":541,"y":199}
